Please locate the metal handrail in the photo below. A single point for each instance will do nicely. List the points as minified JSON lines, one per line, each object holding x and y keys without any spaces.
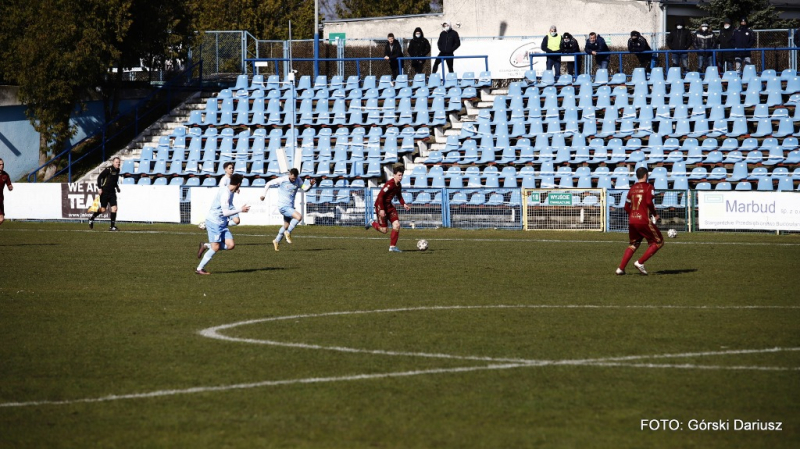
{"x":168,"y":87}
{"x":713,"y":51}
{"x":253,"y":61}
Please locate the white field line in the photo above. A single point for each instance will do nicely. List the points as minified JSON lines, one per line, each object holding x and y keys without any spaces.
{"x":432,"y":239}
{"x":619,"y":362}
{"x":215,"y":333}
{"x":315,"y":380}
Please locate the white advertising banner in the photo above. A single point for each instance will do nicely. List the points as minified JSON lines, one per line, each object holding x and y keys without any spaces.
{"x":773,"y":211}
{"x":33,"y":202}
{"x":71,"y":201}
{"x":159,"y":204}
{"x":262,"y":213}
{"x":507,"y":58}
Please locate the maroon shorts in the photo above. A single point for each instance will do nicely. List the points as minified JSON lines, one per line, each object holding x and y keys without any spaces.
{"x":2,"y":208}
{"x":389,"y":217}
{"x":646,"y":231}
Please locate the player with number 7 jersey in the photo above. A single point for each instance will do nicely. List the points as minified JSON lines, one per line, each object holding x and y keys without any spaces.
{"x":642,"y":218}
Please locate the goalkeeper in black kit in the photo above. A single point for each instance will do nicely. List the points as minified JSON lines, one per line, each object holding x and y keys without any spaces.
{"x":108,"y":184}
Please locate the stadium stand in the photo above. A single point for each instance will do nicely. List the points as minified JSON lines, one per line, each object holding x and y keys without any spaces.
{"x":692,"y":131}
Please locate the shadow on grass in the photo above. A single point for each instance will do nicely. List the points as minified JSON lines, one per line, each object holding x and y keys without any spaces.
{"x":669,"y":272}
{"x":250,"y":270}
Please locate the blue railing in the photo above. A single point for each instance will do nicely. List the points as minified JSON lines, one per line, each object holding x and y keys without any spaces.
{"x":667,"y":60}
{"x":442,"y":62}
{"x":140,"y":111}
{"x":280,"y":62}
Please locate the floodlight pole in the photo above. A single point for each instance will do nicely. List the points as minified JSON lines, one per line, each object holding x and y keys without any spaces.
{"x":316,"y":38}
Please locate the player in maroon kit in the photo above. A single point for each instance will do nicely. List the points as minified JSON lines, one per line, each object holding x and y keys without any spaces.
{"x":385,"y":210}
{"x":5,"y":180}
{"x":639,"y":206}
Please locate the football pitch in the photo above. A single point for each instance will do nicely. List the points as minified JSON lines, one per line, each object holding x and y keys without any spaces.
{"x":490,"y":339}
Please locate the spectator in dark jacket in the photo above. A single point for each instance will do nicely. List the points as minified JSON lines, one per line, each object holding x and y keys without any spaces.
{"x":704,"y":39}
{"x":448,"y":43}
{"x":725,"y":40}
{"x":680,"y":39}
{"x":391,"y":52}
{"x":419,"y":46}
{"x":595,"y":44}
{"x":569,"y":45}
{"x":551,"y":44}
{"x":638,"y":44}
{"x":743,"y":37}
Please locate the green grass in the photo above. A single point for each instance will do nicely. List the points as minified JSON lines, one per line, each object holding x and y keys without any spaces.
{"x":88,"y":315}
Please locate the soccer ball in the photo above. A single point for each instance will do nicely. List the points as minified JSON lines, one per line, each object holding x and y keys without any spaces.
{"x":422,"y":245}
{"x":672,"y":233}
{"x":202,"y":225}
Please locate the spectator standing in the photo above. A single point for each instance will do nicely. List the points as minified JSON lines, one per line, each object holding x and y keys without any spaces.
{"x":704,"y":39}
{"x":638,"y":45}
{"x":448,"y":43}
{"x":5,"y":180}
{"x":570,"y":46}
{"x":743,"y":38}
{"x":725,"y":41}
{"x":640,"y":208}
{"x":551,"y":44}
{"x":420,"y":47}
{"x":680,"y":39}
{"x":391,"y":52}
{"x":596,"y":44}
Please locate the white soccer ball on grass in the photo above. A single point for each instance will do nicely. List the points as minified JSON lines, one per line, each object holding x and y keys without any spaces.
{"x":422,"y":245}
{"x":672,"y":233}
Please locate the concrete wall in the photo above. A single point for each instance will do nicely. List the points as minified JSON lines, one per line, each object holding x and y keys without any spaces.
{"x":19,"y":142}
{"x":515,"y":18}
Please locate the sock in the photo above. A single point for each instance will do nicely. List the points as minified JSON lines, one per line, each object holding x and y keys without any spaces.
{"x":280,"y":234}
{"x":94,"y":215}
{"x":206,"y":259}
{"x":375,"y":225}
{"x":395,"y":236}
{"x":113,"y":218}
{"x":292,"y":224}
{"x":207,"y":245}
{"x":626,"y":258}
{"x":652,"y":249}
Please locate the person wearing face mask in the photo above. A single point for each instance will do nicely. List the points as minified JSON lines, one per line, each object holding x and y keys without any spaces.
{"x":725,"y":40}
{"x":551,"y":44}
{"x":391,"y":52}
{"x":569,"y":45}
{"x":448,"y":43}
{"x":638,"y":45}
{"x":680,"y":39}
{"x":704,"y":39}
{"x":743,"y":37}
{"x":420,"y":47}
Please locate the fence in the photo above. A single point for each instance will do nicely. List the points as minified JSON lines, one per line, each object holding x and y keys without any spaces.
{"x":225,"y":52}
{"x":510,"y":209}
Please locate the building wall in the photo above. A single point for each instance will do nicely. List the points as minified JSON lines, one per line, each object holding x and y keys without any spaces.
{"x":515,"y":18}
{"x":19,"y":142}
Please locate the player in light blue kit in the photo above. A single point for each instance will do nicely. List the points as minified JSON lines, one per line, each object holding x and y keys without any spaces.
{"x":287,"y":186}
{"x":217,"y":221}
